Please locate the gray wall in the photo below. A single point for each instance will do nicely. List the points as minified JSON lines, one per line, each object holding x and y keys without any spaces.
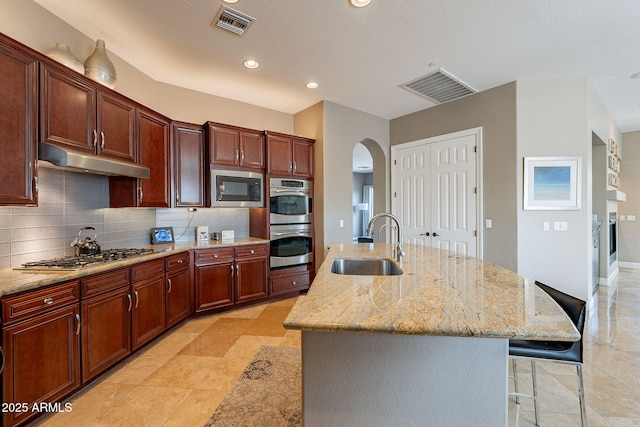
{"x":495,"y":111}
{"x":629,"y":231}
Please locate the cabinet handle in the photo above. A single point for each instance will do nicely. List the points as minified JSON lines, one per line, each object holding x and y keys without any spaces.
{"x":179,"y":261}
{"x":2,"y":354}
{"x":95,"y":138}
{"x":241,"y":156}
{"x":37,"y":183}
{"x":77,"y":324}
{"x":295,"y":167}
{"x":140,"y":193}
{"x":137,"y":298}
{"x":129,"y":300}
{"x":215,"y":255}
{"x":252,"y":251}
{"x":102,"y":140}
{"x":169,"y":281}
{"x":48,"y":301}
{"x":293,"y":283}
{"x":236,"y":160}
{"x":290,"y":166}
{"x":177,"y":195}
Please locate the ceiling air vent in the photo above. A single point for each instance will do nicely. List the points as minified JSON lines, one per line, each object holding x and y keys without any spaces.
{"x":232,"y":20}
{"x":439,"y":87}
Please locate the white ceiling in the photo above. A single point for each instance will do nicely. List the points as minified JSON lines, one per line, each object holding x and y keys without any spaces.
{"x":359,"y":57}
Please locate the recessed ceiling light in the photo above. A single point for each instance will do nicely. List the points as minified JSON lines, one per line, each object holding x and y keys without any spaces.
{"x":230,"y":1}
{"x":360,"y":3}
{"x":312,"y":85}
{"x":251,"y":63}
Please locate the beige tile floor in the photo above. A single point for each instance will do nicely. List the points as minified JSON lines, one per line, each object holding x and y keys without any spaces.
{"x":180,"y":379}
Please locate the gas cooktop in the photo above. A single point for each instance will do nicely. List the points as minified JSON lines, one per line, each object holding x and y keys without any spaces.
{"x":72,"y":263}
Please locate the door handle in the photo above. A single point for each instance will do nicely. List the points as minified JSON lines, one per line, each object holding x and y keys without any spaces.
{"x":435,"y":234}
{"x":77,"y":324}
{"x":424,"y":234}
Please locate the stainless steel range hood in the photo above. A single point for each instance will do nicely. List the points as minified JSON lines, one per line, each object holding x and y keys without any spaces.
{"x":79,"y":162}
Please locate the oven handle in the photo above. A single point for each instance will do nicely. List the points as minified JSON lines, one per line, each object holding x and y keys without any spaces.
{"x":291,"y":192}
{"x":290,"y":234}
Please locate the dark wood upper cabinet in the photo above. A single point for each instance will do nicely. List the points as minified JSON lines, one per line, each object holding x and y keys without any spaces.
{"x":235,"y":147}
{"x":77,"y":114}
{"x":153,"y":142}
{"x":289,"y":155}
{"x":187,"y":152}
{"x":152,"y":136}
{"x":18,"y":124}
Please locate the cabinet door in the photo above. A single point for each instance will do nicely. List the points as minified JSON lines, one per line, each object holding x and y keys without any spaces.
{"x":279,"y":155}
{"x":116,"y":125}
{"x":153,"y":143}
{"x":106,"y":331}
{"x":224,"y":146}
{"x":302,"y":158}
{"x":214,"y":286}
{"x":18,"y":126}
{"x":188,"y":165}
{"x":251,"y":279}
{"x":178,"y":302}
{"x":252,"y":150}
{"x":67,"y":110}
{"x":148,"y":313}
{"x":42,"y":360}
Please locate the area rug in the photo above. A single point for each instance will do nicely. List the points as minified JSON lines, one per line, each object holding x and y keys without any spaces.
{"x":267,"y":394}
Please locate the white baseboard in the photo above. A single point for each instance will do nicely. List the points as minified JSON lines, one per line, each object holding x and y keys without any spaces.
{"x":632,"y":265}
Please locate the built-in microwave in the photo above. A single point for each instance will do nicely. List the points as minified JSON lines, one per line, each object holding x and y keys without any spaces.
{"x":236,"y":189}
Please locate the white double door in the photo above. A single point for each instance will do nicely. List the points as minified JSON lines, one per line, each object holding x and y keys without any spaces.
{"x":435,"y":189}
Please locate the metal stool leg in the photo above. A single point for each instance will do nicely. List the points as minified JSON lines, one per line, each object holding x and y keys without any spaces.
{"x":583,"y":409}
{"x":535,"y":391}
{"x":515,"y":380}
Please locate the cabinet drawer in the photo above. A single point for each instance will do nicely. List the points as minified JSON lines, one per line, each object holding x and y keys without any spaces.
{"x":176,"y":261}
{"x":95,"y":285}
{"x":284,"y":284}
{"x":147,"y":269}
{"x":38,"y":302}
{"x":251,"y":251}
{"x":210,"y":256}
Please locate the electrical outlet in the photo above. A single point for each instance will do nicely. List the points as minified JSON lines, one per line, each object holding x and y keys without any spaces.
{"x":488,"y":223}
{"x":631,"y":217}
{"x":545,"y":226}
{"x":342,"y":223}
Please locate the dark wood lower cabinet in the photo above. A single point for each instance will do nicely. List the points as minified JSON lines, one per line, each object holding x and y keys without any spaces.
{"x":42,"y":362}
{"x":178,"y":302}
{"x":214,"y":286}
{"x":148,"y":313}
{"x":106,"y":332}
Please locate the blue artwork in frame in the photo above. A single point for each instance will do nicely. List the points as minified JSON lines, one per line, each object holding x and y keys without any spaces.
{"x":552,"y":183}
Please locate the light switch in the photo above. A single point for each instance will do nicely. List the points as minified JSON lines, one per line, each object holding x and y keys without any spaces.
{"x":545,"y":226}
{"x":488,"y":223}
{"x":560,"y":226}
{"x":342,"y":223}
{"x":631,"y":217}
{"x":622,"y":218}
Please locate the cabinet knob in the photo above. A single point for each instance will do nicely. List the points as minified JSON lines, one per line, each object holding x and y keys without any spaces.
{"x":48,"y":301}
{"x":293,"y":283}
{"x":252,"y":251}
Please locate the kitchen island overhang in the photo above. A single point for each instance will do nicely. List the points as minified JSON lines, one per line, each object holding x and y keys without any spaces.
{"x":435,"y":349}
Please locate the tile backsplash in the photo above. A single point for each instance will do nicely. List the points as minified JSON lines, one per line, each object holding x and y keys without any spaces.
{"x":69,"y":201}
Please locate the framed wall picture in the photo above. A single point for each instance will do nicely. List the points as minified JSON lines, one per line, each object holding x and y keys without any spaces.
{"x":162,"y":235}
{"x":552,"y":183}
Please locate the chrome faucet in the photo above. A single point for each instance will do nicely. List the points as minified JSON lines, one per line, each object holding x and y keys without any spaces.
{"x":398,"y":252}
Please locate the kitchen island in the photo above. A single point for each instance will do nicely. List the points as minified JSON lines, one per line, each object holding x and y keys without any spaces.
{"x":428,"y":347}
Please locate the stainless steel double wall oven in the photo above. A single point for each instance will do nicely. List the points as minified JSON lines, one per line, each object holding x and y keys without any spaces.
{"x":291,"y":221}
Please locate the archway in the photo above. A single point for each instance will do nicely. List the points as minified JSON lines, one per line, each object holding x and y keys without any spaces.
{"x":369,"y":184}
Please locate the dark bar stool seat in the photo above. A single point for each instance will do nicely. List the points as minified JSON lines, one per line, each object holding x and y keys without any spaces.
{"x":556,"y":351}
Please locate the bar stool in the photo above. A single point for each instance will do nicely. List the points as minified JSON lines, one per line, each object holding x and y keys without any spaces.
{"x":556,"y":351}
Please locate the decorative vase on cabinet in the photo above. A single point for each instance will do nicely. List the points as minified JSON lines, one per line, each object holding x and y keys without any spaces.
{"x":98,"y":67}
{"x":63,"y":55}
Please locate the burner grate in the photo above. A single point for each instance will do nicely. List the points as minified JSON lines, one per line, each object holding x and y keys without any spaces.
{"x":71,"y":263}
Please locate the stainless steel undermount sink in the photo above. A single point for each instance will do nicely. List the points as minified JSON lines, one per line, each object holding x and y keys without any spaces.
{"x":366,"y":267}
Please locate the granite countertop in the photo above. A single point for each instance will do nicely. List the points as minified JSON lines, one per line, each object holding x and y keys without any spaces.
{"x":440,"y":293}
{"x":15,"y":281}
